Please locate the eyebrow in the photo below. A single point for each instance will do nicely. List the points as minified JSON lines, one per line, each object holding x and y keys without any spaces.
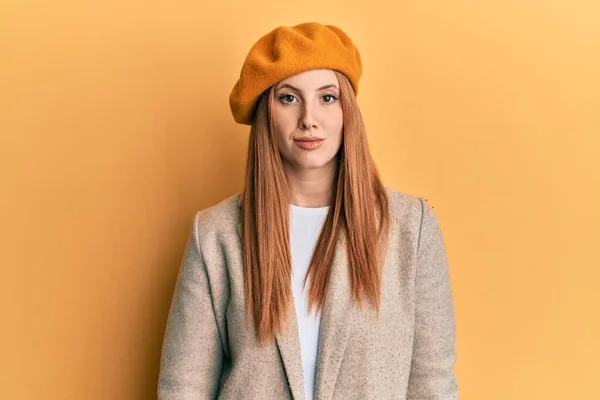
{"x":287,"y":85}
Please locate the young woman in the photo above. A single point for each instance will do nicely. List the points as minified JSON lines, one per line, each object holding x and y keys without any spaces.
{"x":317,"y":281}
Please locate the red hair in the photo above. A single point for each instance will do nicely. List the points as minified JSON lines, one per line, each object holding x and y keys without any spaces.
{"x":359,"y":212}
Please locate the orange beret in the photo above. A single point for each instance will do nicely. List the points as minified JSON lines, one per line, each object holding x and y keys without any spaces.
{"x":287,"y":51}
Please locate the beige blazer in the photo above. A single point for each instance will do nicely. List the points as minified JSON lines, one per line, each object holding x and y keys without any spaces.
{"x":209,"y":352}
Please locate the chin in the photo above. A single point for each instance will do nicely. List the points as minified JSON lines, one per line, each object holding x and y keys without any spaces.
{"x":312,"y":164}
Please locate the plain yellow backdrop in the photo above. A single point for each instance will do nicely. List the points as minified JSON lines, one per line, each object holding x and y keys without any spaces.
{"x":115,"y":129}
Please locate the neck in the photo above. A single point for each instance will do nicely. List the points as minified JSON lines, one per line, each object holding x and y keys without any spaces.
{"x":311,"y":187}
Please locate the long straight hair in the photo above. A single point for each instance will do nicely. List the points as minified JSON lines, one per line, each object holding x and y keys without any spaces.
{"x":359,"y":215}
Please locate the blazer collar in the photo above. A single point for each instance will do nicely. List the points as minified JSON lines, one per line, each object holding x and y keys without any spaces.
{"x":337,"y":320}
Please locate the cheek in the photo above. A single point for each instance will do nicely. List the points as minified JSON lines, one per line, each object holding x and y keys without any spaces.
{"x":284,"y":120}
{"x":336,"y":116}
{"x":336,"y":125}
{"x":338,"y":141}
{"x":281,"y":125}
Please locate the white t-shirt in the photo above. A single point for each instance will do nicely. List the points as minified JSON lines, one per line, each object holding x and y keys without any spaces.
{"x":305,"y":228}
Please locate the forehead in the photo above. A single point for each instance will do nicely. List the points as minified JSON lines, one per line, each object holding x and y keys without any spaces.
{"x":310,"y":80}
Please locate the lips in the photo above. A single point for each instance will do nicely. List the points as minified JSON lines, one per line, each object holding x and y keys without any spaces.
{"x":308,"y":139}
{"x":309,"y":143}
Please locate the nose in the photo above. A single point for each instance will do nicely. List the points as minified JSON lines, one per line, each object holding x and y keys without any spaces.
{"x":307,"y":118}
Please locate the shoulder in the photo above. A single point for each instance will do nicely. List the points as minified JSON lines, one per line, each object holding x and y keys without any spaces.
{"x":404,"y":205}
{"x":220,"y":217}
{"x":406,"y":209}
{"x":412,"y":213}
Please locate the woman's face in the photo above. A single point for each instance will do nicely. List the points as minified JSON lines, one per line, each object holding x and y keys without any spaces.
{"x":308,"y":119}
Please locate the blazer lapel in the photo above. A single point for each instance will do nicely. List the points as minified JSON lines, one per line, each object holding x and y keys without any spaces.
{"x":288,"y":343}
{"x":337,"y":321}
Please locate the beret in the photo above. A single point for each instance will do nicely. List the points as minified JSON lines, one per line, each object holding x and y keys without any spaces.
{"x":287,"y":51}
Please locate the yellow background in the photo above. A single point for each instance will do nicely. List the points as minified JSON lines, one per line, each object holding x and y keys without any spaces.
{"x":115,"y":129}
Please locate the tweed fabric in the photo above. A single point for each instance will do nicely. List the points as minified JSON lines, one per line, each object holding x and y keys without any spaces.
{"x":210,"y":352}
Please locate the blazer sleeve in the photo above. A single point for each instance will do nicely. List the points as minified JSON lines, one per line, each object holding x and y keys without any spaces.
{"x":434,"y":355}
{"x":192,"y":355}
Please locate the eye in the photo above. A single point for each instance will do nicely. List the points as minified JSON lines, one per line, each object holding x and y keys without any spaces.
{"x":287,"y":98}
{"x":329,"y":98}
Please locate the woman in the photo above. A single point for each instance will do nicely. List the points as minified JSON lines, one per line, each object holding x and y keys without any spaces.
{"x":317,"y":281}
